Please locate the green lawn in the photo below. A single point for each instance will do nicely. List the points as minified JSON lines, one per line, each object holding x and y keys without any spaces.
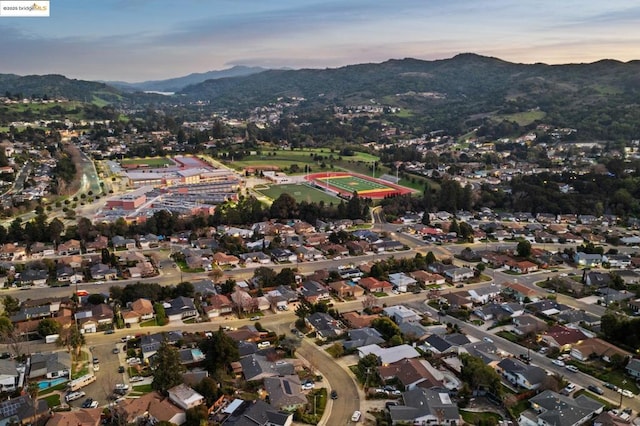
{"x":300,"y":192}
{"x":142,"y":388}
{"x":149,"y":323}
{"x":353,"y":183}
{"x":151,"y":162}
{"x":522,"y":118}
{"x":286,"y":158}
{"x":52,"y":400}
{"x":474,"y":417}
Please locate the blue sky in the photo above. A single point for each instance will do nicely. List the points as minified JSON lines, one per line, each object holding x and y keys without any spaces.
{"x":136,"y":40}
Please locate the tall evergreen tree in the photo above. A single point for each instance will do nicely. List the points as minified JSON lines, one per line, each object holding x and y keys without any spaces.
{"x":168,"y":370}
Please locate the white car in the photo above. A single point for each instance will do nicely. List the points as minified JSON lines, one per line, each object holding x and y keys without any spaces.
{"x":626,"y":392}
{"x":558,"y":362}
{"x":570,"y":388}
{"x":136,"y":379}
{"x":572,"y":368}
{"x":133,"y":361}
{"x":356,"y":416}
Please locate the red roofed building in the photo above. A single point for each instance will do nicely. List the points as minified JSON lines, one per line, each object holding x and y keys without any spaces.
{"x":373,"y":285}
{"x":562,"y":337}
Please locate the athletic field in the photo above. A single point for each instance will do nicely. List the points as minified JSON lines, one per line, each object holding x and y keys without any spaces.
{"x":348,"y":183}
{"x":149,"y":162}
{"x":300,"y":192}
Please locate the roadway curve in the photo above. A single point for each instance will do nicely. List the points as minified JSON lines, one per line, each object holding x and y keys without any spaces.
{"x":341,"y":409}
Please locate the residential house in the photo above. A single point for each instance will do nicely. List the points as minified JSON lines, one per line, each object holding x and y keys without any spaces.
{"x":373,"y":285}
{"x":308,"y":253}
{"x":484,"y":294}
{"x":597,"y":279}
{"x":358,"y":320}
{"x":151,"y":407}
{"x":223,"y":259}
{"x":426,"y":406}
{"x":520,"y":374}
{"x":633,"y":368}
{"x":257,"y":367}
{"x":257,"y":413}
{"x":12,"y":375}
{"x":597,"y":348}
{"x":35,"y":277}
{"x":428,"y":278}
{"x":150,"y":343}
{"x":446,"y":343}
{"x":98,"y":245}
{"x":313,"y":291}
{"x":180,"y":308}
{"x":346,"y":289}
{"x":20,"y":410}
{"x":325,"y":326}
{"x":579,"y":318}
{"x":100,"y":271}
{"x":217,"y":305}
{"x":148,"y":241}
{"x":388,"y":356}
{"x":139,"y":310}
{"x":69,"y":248}
{"x":120,"y":243}
{"x":401,"y":281}
{"x":456,"y":275}
{"x":528,"y":324}
{"x":411,"y":373}
{"x":550,"y":408}
{"x":255,"y":257}
{"x":520,"y":292}
{"x":590,"y":260}
{"x":562,"y":337}
{"x":283,"y":255}
{"x":617,"y":260}
{"x":522,"y":266}
{"x":84,"y":416}
{"x":51,"y":365}
{"x":185,"y":397}
{"x":285,"y":392}
{"x":401,"y":314}
{"x":458,"y":299}
{"x":363,"y":337}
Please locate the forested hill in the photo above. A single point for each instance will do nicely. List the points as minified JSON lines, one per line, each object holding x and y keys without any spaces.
{"x":459,"y":89}
{"x":57,"y":86}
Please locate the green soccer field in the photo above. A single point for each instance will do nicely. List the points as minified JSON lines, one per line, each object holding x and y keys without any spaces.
{"x":151,"y":162}
{"x":300,"y":192}
{"x":354,"y":183}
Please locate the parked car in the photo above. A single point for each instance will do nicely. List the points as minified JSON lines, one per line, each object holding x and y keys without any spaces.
{"x":121,"y":369}
{"x":110,"y":331}
{"x":626,"y":392}
{"x":256,"y":318}
{"x":572,"y":368}
{"x":72,"y":396}
{"x":308,"y":386}
{"x":116,"y":351}
{"x":334,"y":394}
{"x":595,"y":389}
{"x":611,"y":386}
{"x":87,"y":403}
{"x":570,"y":388}
{"x":136,"y":379}
{"x":558,"y":362}
{"x":488,"y":339}
{"x":356,"y":416}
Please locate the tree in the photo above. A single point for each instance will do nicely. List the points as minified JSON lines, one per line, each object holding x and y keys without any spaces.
{"x":386,"y":327}
{"x":228,"y":286}
{"x":95,"y":299}
{"x":196,"y":415}
{"x":11,"y":305}
{"x":523,"y":248}
{"x":48,"y":326}
{"x":55,"y":229}
{"x":284,"y":207}
{"x":480,"y":375}
{"x":161,"y":315}
{"x":220,"y":351}
{"x":6,"y":326}
{"x":73,"y":339}
{"x":167,"y":369}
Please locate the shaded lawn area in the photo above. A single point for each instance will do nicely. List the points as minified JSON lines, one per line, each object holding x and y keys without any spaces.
{"x":52,"y":400}
{"x":142,"y":388}
{"x":474,"y":418}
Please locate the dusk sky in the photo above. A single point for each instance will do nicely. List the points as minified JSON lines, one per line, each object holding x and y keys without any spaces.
{"x":136,"y":40}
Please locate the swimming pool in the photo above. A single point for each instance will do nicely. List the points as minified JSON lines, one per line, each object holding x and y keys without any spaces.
{"x":45,"y":384}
